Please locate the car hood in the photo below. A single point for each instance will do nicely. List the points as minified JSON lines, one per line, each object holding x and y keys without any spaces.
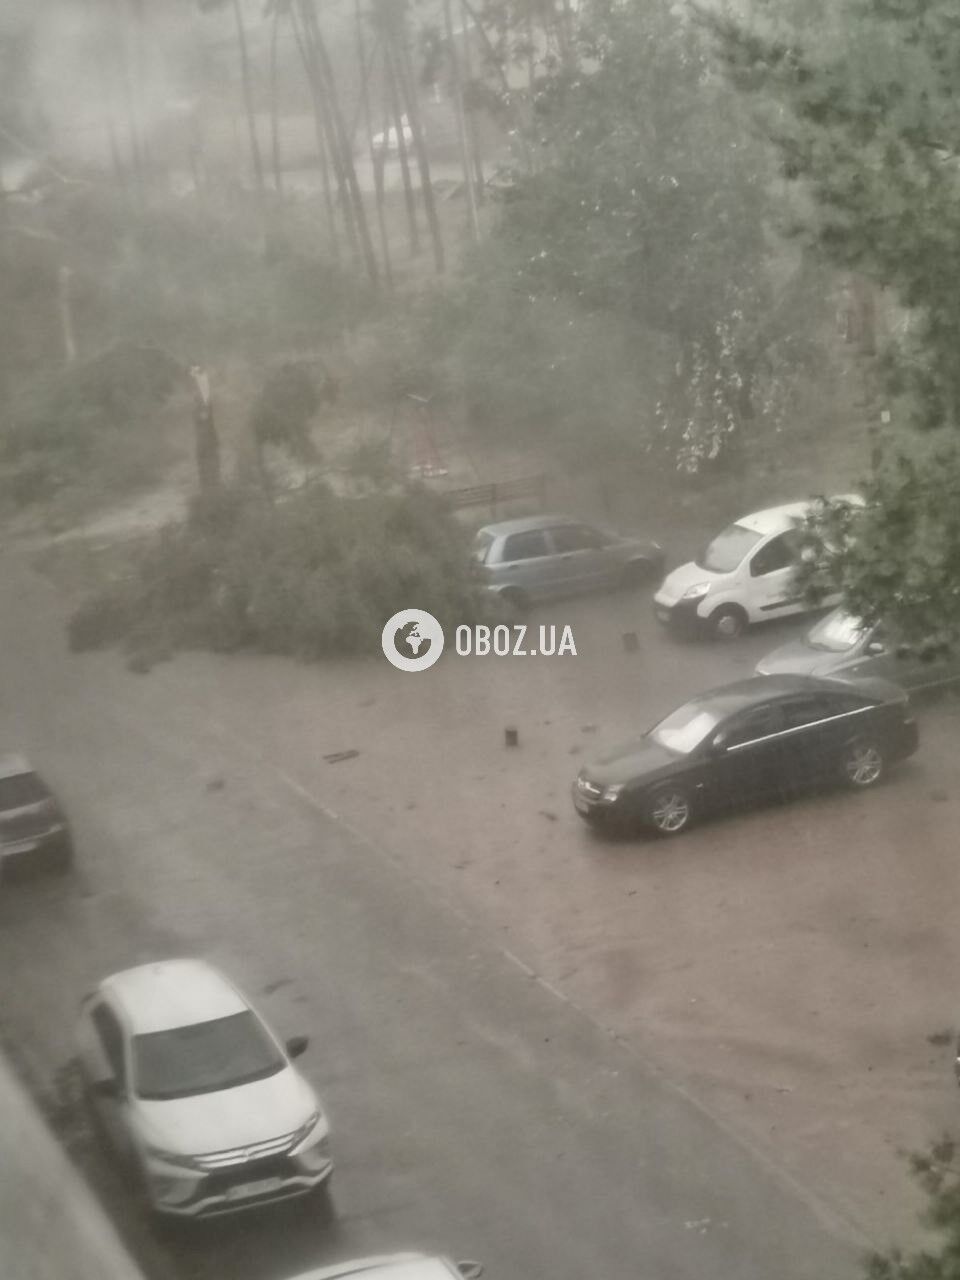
{"x":229,"y":1118}
{"x":801,"y":659}
{"x":684,"y":576}
{"x":631,"y":761}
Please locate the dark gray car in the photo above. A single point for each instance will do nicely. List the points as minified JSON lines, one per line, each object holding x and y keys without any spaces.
{"x":540,"y":557}
{"x":841,"y":646}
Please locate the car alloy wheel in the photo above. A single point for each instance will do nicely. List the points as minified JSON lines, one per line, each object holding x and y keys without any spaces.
{"x":863,"y":765}
{"x":670,"y":812}
{"x":728,"y":623}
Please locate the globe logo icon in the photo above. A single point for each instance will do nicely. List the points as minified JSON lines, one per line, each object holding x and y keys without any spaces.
{"x":412,"y":640}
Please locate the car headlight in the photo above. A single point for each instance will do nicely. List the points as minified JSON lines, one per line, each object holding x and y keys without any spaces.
{"x":314,"y":1127}
{"x":177,"y":1159}
{"x":696,"y":591}
{"x":611,"y":793}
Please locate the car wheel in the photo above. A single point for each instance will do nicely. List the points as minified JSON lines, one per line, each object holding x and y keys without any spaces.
{"x":636,"y":574}
{"x":669,"y":810}
{"x":728,"y":622}
{"x":863,"y":764}
{"x":514,"y":599}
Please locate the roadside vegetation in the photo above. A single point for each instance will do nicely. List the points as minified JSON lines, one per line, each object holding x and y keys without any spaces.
{"x":313,"y":575}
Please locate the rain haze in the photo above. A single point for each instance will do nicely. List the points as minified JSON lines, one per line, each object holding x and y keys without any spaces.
{"x":479,"y":631}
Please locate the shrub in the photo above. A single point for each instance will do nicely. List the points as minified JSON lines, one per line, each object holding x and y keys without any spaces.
{"x":312,"y":575}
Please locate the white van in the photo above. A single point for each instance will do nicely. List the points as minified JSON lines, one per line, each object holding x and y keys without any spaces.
{"x":745,"y":575}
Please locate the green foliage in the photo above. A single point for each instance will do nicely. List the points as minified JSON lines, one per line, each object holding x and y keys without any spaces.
{"x":94,"y":416}
{"x":283,"y":410}
{"x":647,"y":217}
{"x":898,"y":559}
{"x":864,"y":111}
{"x":312,"y":575}
{"x":937,"y":1173}
{"x":193,"y":277}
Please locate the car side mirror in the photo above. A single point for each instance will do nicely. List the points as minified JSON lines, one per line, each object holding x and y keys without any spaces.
{"x":470,"y":1270}
{"x":876,"y":647}
{"x":297,"y":1045}
{"x":106,"y":1088}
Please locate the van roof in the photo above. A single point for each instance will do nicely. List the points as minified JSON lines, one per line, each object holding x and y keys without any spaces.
{"x":778,"y":519}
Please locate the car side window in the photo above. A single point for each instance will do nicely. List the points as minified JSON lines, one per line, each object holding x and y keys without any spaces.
{"x":778,"y":553}
{"x":576,"y":537}
{"x":808,"y":709}
{"x":759,"y":723}
{"x":525,"y":546}
{"x":110,"y":1034}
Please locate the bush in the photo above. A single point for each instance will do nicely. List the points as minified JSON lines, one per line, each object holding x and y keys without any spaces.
{"x":91,"y":422}
{"x":313,"y":575}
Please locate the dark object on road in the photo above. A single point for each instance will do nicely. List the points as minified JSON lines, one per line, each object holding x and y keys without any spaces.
{"x":336,"y":756}
{"x":763,"y":738}
{"x":33,"y":828}
{"x":547,"y":557}
{"x":511,"y":737}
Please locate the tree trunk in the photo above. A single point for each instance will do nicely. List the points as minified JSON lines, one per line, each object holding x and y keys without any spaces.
{"x":247,"y":91}
{"x":390,"y":76}
{"x":377,"y":162}
{"x":479,"y":182}
{"x":506,"y":94}
{"x":340,"y":134}
{"x":321,"y":134}
{"x":274,"y":106}
{"x":462,"y":143}
{"x":209,"y":477}
{"x":332,"y":146}
{"x":408,"y":94}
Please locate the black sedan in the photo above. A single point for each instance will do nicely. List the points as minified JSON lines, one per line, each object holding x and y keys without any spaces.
{"x":758,"y":739}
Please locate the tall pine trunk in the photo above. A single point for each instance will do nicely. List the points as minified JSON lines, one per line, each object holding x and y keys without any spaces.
{"x":343,"y":143}
{"x":395,"y":109}
{"x":376,"y":161}
{"x":246,"y":88}
{"x":408,"y":94}
{"x":462,"y":143}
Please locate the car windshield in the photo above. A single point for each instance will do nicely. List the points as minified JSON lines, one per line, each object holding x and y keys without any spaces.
{"x":836,"y":633}
{"x":683,"y":730}
{"x":204,"y":1057}
{"x":20,"y":790}
{"x":727,"y":549}
{"x":481,"y":545}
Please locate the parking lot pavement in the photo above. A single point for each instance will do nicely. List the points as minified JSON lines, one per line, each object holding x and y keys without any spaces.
{"x":473,"y":1111}
{"x":695,"y":951}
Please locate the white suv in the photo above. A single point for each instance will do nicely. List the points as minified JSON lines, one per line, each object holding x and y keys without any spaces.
{"x":190,"y":1088}
{"x":745,"y":575}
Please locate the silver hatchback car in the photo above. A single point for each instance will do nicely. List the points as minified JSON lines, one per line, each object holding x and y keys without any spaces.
{"x":544,"y":557}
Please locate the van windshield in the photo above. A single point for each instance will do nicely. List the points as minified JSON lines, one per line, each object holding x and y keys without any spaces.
{"x":728,"y":549}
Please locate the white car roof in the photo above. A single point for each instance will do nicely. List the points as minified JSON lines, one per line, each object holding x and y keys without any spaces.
{"x":172,"y":993}
{"x":778,"y":519}
{"x":395,"y":1266}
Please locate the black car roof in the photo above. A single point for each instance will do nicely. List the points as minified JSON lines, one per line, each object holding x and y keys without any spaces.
{"x":743,"y":694}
